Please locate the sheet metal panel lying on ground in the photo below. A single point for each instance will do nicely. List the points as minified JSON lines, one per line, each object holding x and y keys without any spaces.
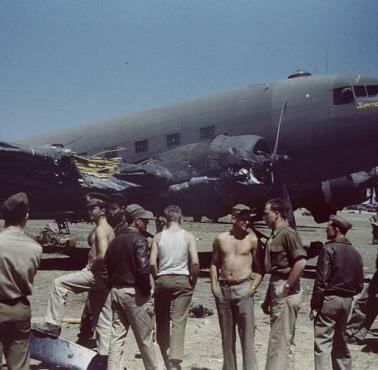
{"x":63,"y":353}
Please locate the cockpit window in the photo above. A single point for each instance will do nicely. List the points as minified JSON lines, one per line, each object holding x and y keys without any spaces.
{"x":343,"y":95}
{"x":372,"y":90}
{"x":359,"y":91}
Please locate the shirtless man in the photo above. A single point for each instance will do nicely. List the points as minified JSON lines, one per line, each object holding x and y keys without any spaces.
{"x":115,"y":215}
{"x":86,"y":280}
{"x":235,"y":253}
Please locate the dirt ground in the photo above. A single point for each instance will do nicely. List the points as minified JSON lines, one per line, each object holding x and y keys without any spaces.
{"x":203,"y":344}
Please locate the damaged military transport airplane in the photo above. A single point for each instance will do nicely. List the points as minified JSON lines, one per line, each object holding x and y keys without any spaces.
{"x":309,"y":138}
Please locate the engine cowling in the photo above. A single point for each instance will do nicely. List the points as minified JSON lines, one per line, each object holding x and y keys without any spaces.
{"x":246,"y":158}
{"x":332,"y":195}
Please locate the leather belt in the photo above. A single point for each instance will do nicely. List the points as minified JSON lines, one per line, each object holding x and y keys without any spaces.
{"x":233,"y":282}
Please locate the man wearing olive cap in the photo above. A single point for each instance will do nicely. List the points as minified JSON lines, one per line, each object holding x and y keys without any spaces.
{"x":87,"y":280}
{"x":20,"y":257}
{"x":235,"y":274}
{"x":339,"y":276}
{"x":128,"y":275}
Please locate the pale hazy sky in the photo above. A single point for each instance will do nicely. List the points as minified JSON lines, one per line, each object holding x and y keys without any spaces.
{"x":69,"y":63}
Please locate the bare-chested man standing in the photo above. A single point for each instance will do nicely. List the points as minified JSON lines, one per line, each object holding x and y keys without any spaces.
{"x":233,"y":286}
{"x":86,"y":280}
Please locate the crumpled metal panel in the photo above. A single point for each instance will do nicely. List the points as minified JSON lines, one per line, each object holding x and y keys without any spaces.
{"x":63,"y":353}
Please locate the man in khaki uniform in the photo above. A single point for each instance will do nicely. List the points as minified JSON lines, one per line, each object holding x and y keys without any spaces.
{"x":87,"y":280}
{"x":285,"y":259}
{"x":20,"y":257}
{"x":233,"y":285}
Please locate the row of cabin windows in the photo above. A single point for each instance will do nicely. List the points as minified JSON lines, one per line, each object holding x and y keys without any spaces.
{"x":175,"y":139}
{"x":347,"y":94}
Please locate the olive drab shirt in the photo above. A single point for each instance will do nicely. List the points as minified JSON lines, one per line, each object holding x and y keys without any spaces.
{"x":283,"y":248}
{"x":20,"y":257}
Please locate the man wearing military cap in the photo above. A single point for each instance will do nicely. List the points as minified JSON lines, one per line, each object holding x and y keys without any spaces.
{"x":128,"y":275}
{"x":87,"y":280}
{"x":235,"y":273}
{"x":20,"y":257}
{"x":115,"y":215}
{"x":339,"y":276}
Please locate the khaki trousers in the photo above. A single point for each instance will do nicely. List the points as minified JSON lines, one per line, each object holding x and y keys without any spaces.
{"x":235,"y":306}
{"x":283,"y":317}
{"x":15,"y":334}
{"x":329,"y":334}
{"x":172,"y":292}
{"x":129,"y":309}
{"x":82,"y":281}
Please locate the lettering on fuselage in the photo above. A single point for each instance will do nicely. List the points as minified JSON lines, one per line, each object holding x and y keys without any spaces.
{"x":365,"y":105}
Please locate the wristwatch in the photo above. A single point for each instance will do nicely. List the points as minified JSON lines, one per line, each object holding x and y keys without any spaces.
{"x":287,"y":286}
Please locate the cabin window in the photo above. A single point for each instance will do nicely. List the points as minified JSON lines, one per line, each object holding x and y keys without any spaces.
{"x":359,"y":91}
{"x":141,"y":146}
{"x":207,"y":132}
{"x":343,"y":95}
{"x":173,"y":139}
{"x":372,"y":90}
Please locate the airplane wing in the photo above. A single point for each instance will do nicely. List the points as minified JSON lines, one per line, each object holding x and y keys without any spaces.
{"x":55,"y":180}
{"x":205,"y":178}
{"x":225,"y":170}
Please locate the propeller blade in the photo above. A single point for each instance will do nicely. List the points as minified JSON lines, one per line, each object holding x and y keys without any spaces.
{"x":283,"y":109}
{"x":281,"y":189}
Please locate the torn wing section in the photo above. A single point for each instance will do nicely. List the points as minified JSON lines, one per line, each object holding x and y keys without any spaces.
{"x":55,"y":180}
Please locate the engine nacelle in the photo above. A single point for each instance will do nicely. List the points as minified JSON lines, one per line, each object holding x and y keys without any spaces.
{"x":246,"y":158}
{"x":346,"y":190}
{"x":332,"y":195}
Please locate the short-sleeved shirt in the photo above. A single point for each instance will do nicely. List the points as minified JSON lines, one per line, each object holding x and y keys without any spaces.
{"x":285,"y":248}
{"x":20,"y":257}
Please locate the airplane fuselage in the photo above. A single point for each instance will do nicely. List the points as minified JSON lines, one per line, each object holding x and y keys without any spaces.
{"x":324,"y":137}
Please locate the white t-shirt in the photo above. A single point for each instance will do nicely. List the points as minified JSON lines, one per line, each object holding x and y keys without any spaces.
{"x":173,"y":253}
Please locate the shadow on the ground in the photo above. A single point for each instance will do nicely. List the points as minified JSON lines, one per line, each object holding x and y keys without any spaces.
{"x":66,"y":263}
{"x":64,"y":258}
{"x":371,"y":342}
{"x":371,"y":346}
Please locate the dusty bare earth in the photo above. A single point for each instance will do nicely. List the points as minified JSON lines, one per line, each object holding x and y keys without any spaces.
{"x":203,"y":346}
